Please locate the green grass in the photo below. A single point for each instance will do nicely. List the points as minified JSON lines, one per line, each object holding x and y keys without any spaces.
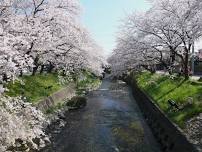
{"x":90,"y":81}
{"x":35,"y":87}
{"x":54,"y":109}
{"x":161,"y":88}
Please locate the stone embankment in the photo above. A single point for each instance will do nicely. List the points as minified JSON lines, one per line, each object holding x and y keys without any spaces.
{"x":170,"y":137}
{"x":58,"y":97}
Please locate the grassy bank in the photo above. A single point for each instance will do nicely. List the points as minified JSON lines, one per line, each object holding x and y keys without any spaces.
{"x":87,"y":81}
{"x":161,"y":88}
{"x":35,"y":87}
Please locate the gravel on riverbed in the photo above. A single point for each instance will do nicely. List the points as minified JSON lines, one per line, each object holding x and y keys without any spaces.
{"x":194,"y":131}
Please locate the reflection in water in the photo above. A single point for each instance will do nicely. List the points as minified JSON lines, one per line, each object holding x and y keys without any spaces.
{"x":112,"y":122}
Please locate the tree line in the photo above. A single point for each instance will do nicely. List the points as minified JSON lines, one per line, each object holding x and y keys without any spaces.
{"x":164,"y":34}
{"x":38,"y":35}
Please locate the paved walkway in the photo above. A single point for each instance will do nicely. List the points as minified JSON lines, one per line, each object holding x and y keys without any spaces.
{"x":194,"y":77}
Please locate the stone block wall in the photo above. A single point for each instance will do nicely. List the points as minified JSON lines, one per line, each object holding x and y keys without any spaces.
{"x":169,"y":136}
{"x":65,"y":93}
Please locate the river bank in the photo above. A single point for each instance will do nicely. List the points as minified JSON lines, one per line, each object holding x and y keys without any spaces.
{"x":185,"y":94}
{"x":110,"y":122}
{"x":24,"y":120}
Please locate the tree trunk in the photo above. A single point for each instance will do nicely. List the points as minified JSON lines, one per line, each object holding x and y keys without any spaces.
{"x":35,"y":70}
{"x":150,"y":69}
{"x":165,"y":65}
{"x":172,"y":57}
{"x":42,"y":69}
{"x":21,"y":73}
{"x":51,"y":67}
{"x":186,"y":64}
{"x":36,"y":65}
{"x":63,"y":73}
{"x":5,"y":77}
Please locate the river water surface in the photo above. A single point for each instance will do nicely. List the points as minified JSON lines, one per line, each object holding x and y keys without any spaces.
{"x":111,"y":122}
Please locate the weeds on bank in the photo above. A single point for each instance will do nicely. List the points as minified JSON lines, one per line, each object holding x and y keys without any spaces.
{"x":161,"y":88}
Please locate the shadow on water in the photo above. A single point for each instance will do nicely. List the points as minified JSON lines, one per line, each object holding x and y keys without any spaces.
{"x":111,"y":122}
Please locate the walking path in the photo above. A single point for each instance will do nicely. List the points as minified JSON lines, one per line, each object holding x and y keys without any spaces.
{"x":193,"y":77}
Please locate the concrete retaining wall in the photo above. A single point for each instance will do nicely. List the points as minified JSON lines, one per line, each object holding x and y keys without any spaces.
{"x":65,"y":93}
{"x":167,"y":134}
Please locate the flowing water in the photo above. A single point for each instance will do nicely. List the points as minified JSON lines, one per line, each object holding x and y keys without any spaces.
{"x":111,"y":122}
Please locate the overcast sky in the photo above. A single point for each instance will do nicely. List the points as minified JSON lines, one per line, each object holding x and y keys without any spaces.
{"x":102,"y":18}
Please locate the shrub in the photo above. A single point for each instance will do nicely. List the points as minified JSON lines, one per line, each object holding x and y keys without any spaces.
{"x":77,"y":102}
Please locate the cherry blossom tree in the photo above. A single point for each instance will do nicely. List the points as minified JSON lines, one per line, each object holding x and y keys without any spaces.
{"x":40,"y":33}
{"x":186,"y":25}
{"x":20,"y":120}
{"x":165,"y":32}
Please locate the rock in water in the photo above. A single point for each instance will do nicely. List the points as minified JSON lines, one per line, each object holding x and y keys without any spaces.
{"x":77,"y":103}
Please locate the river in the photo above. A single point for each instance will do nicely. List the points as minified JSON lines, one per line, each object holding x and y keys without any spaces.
{"x":111,"y":122}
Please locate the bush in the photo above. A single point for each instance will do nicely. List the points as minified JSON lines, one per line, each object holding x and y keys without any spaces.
{"x":77,"y":102}
{"x":54,"y":109}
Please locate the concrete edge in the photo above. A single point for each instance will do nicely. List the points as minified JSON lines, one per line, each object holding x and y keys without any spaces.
{"x":58,"y":97}
{"x":168,"y":134}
